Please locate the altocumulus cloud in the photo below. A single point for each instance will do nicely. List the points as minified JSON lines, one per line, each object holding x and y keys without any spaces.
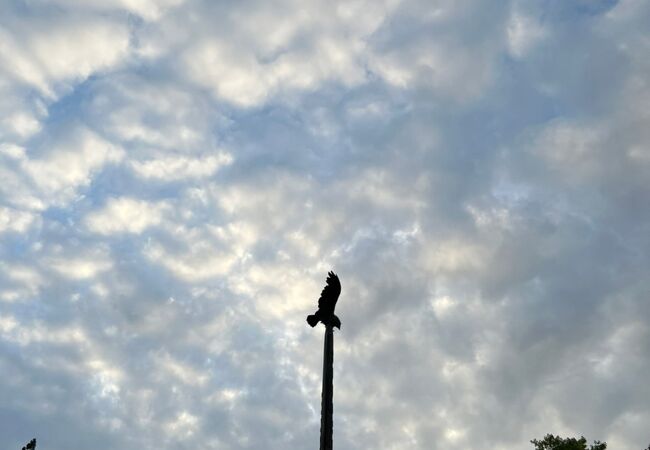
{"x":178,"y":177}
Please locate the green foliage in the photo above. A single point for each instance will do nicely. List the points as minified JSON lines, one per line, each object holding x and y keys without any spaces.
{"x":551,"y":442}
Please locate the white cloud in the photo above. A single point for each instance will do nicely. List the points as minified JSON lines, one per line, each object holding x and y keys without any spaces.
{"x":79,"y":268}
{"x":184,"y":425}
{"x":40,"y":54}
{"x":155,"y":117}
{"x":15,"y":220}
{"x":179,"y":168}
{"x":129,"y":215}
{"x":571,"y":148}
{"x":245,"y":81}
{"x":22,"y":124}
{"x":523,"y":33}
{"x":148,"y":9}
{"x":70,"y":165}
{"x":282,"y":49}
{"x":55,"y":176}
{"x":203,"y":262}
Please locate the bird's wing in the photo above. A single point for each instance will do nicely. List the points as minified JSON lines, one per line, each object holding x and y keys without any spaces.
{"x":330,"y":293}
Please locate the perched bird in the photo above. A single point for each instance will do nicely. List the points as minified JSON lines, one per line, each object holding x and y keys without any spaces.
{"x":326,"y":303}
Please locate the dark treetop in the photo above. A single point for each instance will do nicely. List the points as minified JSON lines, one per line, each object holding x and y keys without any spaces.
{"x":327,"y":303}
{"x":31,"y":445}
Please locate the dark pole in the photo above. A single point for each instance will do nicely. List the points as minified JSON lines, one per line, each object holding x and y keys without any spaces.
{"x":326,"y":427}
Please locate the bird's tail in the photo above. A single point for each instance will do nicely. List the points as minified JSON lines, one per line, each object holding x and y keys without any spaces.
{"x":312,"y":320}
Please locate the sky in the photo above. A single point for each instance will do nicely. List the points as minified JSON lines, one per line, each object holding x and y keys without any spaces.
{"x":178,"y":177}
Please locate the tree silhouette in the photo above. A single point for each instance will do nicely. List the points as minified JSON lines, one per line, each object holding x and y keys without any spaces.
{"x":31,"y":445}
{"x":551,"y":442}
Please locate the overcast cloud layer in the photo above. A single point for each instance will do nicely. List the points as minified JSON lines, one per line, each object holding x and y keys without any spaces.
{"x":178,"y":176}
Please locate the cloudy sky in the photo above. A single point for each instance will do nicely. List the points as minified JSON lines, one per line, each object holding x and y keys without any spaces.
{"x":178,"y":176}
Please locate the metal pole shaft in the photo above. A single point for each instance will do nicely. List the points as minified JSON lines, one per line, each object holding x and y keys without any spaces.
{"x":326,"y":426}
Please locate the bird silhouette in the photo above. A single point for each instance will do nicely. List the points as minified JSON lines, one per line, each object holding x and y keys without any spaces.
{"x":327,"y":303}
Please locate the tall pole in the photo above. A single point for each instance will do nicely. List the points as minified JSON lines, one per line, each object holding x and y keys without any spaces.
{"x":326,"y":427}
